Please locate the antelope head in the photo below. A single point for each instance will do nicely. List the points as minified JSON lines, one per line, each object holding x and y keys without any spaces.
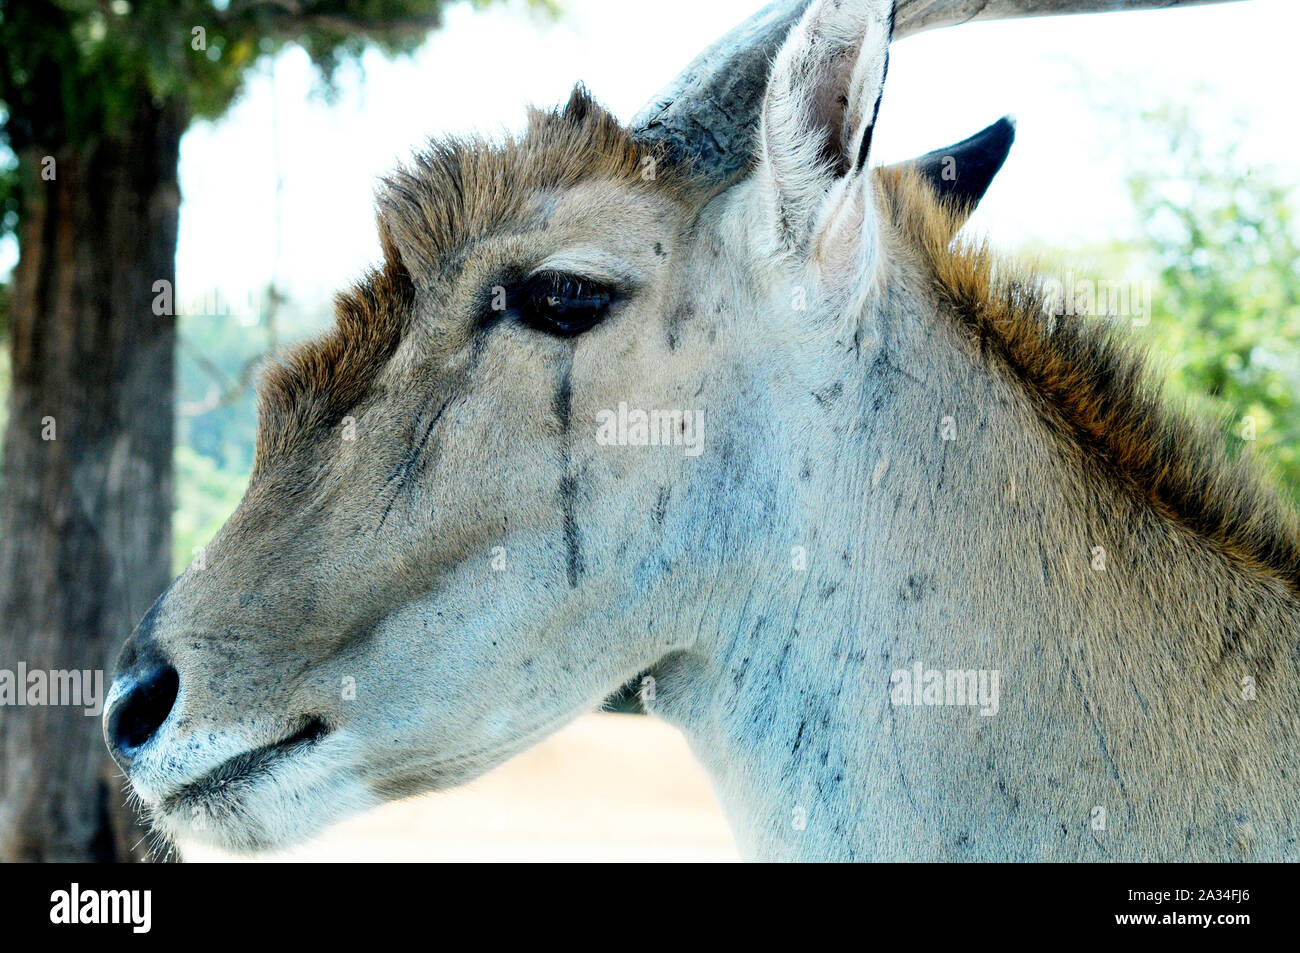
{"x":549,"y":439}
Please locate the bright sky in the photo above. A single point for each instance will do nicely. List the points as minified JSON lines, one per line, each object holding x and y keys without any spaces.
{"x":1062,"y":183}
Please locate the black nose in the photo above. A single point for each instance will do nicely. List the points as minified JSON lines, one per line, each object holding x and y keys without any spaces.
{"x":138,"y":712}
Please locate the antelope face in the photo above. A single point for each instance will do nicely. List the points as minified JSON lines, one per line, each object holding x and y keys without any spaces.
{"x":557,"y":439}
{"x":453,"y":538}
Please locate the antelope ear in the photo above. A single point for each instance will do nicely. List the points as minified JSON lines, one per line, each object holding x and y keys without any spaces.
{"x":962,"y":173}
{"x":819,"y":111}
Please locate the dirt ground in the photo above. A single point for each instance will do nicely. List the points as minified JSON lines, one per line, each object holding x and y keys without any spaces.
{"x":607,"y":788}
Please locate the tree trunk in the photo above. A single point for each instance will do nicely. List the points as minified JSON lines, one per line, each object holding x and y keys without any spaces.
{"x":85,"y":517}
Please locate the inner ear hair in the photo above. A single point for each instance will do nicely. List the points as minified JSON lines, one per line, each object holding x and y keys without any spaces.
{"x":821,"y":104}
{"x":861,"y":85}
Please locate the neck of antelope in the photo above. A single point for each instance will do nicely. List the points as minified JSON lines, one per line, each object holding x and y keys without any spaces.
{"x":924,"y":520}
{"x":777,"y":689}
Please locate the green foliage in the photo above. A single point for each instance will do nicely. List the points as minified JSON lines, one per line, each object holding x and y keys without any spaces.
{"x":1220,"y":248}
{"x":220,"y":358}
{"x":74,"y":71}
{"x":79,"y":67}
{"x":206,"y":495}
{"x":1222,"y":239}
{"x":10,"y":203}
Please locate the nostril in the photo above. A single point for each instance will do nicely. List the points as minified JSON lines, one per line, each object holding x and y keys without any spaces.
{"x":143,"y":710}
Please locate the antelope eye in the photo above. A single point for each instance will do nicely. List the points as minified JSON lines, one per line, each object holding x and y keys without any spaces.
{"x":563,"y":304}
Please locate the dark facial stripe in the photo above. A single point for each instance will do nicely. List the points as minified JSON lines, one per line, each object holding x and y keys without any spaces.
{"x":402,"y":472}
{"x":562,"y":405}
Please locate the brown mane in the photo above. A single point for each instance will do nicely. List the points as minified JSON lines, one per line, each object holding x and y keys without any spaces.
{"x":1094,"y":386}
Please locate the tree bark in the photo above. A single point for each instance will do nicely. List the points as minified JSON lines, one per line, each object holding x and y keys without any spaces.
{"x":85,"y":518}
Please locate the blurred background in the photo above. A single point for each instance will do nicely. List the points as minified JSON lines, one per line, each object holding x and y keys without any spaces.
{"x":184,"y":185}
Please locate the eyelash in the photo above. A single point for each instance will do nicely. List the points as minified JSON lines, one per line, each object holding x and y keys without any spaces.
{"x":559,"y":303}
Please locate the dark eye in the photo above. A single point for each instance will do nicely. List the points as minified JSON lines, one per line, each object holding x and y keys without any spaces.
{"x":562,"y":304}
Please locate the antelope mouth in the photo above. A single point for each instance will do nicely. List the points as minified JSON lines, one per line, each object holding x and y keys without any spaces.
{"x":249,"y":765}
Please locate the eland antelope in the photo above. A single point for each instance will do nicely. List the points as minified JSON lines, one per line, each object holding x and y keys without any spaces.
{"x":946,"y":579}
